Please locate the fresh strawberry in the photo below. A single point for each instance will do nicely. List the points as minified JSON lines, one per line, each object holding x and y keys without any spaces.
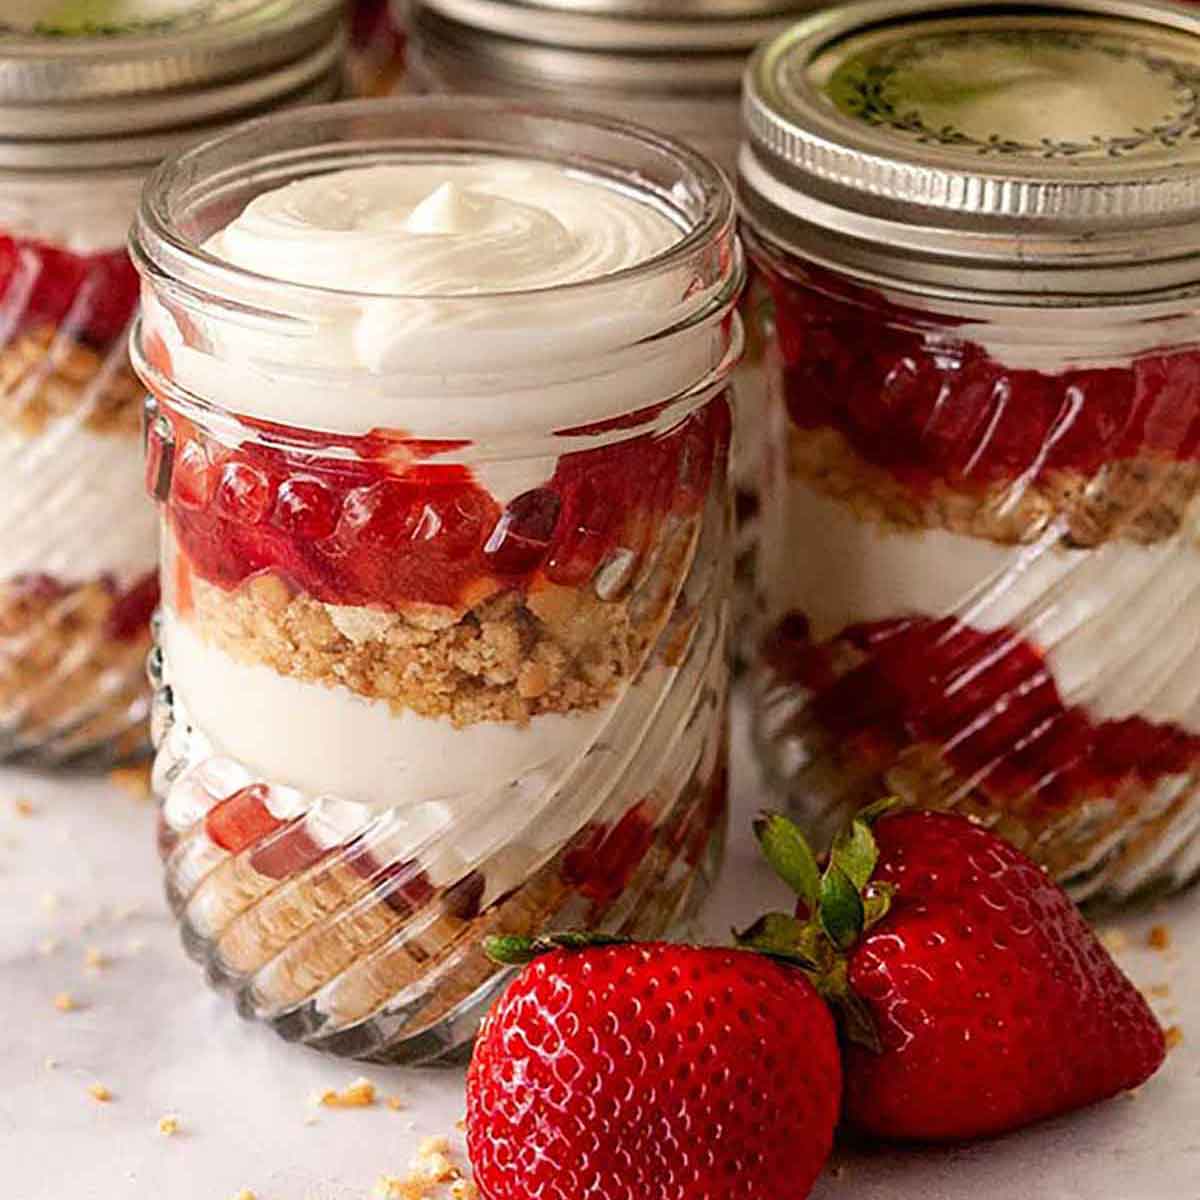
{"x":975,"y":998}
{"x":651,"y":1072}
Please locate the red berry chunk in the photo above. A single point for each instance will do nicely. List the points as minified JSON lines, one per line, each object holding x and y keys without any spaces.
{"x":93,"y":296}
{"x":242,"y":819}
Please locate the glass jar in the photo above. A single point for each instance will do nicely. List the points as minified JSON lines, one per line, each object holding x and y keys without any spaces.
{"x":453,"y":670}
{"x":982,"y":495}
{"x":678,"y":72}
{"x":83,"y":117}
{"x":378,"y":47}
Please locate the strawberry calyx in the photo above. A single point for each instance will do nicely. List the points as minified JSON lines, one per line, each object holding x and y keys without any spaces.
{"x":837,"y":905}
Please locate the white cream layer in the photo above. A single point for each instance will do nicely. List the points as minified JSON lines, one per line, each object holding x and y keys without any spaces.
{"x":489,"y":336}
{"x":1117,"y":623}
{"x":324,"y":739}
{"x":82,"y":214}
{"x":75,"y":505}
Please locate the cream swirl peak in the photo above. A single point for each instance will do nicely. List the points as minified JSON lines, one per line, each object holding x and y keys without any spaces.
{"x":445,"y":229}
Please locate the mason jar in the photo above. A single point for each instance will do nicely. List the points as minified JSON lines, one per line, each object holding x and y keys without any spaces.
{"x":439,"y":439}
{"x":679,"y":72}
{"x":980,"y":563}
{"x":84,"y":115}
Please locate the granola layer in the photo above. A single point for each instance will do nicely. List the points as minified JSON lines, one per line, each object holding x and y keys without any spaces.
{"x":1138,"y":500}
{"x":516,"y":655}
{"x":72,"y":665}
{"x":47,"y":376}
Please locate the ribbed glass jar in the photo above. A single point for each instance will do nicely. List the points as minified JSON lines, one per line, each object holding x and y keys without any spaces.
{"x":463,"y":672}
{"x":84,"y":116}
{"x":980,"y":561}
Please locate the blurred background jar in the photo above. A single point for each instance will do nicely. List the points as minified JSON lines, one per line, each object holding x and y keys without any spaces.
{"x":980,"y":559}
{"x":377,"y":54}
{"x":446,"y":549}
{"x":674,"y":68}
{"x":86,"y":109}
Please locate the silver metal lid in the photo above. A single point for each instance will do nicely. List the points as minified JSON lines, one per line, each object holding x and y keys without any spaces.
{"x":1026,"y":147}
{"x":638,"y":26}
{"x":94,"y":68}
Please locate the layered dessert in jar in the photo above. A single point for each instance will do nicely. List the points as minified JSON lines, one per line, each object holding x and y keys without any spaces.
{"x":980,"y":555}
{"x":677,"y":71}
{"x":439,"y":442}
{"x":81,"y":123}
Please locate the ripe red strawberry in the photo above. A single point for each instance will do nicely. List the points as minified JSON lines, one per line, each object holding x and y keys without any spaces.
{"x":651,"y":1072}
{"x":977,"y":999}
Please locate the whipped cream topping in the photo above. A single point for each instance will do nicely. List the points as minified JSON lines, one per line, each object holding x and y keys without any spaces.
{"x":1109,"y":620}
{"x":80,"y":213}
{"x":444,"y":229}
{"x":446,"y":307}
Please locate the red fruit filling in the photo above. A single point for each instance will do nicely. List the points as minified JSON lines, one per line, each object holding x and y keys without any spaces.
{"x":91,"y":296}
{"x":988,"y":701}
{"x":369,"y":520}
{"x":941,"y":409}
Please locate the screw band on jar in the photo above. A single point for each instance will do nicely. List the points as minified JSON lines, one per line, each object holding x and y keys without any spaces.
{"x":991,"y":474}
{"x":446,"y":542}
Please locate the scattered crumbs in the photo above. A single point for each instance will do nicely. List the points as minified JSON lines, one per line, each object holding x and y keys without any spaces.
{"x":430,"y":1168}
{"x":1159,"y":991}
{"x":48,"y":946}
{"x":1115,"y":940}
{"x":463,"y":1189}
{"x":168,"y":1126}
{"x":1159,"y":938}
{"x":136,"y":945}
{"x":394,"y":1103}
{"x":359,"y":1094}
{"x":95,"y":959}
{"x":134,"y":781}
{"x":245,"y":1194}
{"x":51,"y":1064}
{"x":65,"y":1002}
{"x":432,"y":1161}
{"x":99,"y":1092}
{"x":1174,"y":1037}
{"x":311,"y":1119}
{"x":461,"y":1124}
{"x":24,"y":808}
{"x":49,"y":901}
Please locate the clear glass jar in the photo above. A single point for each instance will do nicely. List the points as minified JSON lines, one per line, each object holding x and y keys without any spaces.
{"x":679,"y":72}
{"x":79,"y":130}
{"x":457,"y":676}
{"x":979,"y":560}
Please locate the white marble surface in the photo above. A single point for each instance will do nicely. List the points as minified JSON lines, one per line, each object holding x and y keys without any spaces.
{"x":79,"y":871}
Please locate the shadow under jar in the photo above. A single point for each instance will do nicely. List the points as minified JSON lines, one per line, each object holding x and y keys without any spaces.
{"x":980,"y":557}
{"x":84,"y":116}
{"x":446,"y":551}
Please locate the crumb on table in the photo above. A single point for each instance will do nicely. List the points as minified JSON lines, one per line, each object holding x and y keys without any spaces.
{"x":1159,"y":938}
{"x":359,"y":1094}
{"x":99,"y":1092}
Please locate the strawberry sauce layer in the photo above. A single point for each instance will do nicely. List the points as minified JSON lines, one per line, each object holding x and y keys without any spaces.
{"x":91,"y":296}
{"x":385,"y":526}
{"x":988,"y":701}
{"x":951,"y":413}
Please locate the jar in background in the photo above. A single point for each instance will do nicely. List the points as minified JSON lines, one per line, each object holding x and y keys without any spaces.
{"x":677,"y":72}
{"x":980,"y":557}
{"x":378,"y":47}
{"x":446,"y":558}
{"x":83,"y":117}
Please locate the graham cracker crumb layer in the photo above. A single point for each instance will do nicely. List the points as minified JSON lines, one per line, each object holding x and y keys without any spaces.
{"x":510,"y":658}
{"x":63,"y":676}
{"x":47,"y":376}
{"x":1137,"y":500}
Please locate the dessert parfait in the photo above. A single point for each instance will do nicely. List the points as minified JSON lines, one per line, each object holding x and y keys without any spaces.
{"x":980,"y":550}
{"x":677,"y":69}
{"x":439,"y":440}
{"x":79,"y":128}
{"x":378,"y":47}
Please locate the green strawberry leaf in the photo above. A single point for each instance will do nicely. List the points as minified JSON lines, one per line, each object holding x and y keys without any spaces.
{"x":877,"y":902}
{"x":512,"y":950}
{"x":855,"y":852}
{"x":781,"y":935}
{"x":841,"y":908}
{"x":790,"y":855}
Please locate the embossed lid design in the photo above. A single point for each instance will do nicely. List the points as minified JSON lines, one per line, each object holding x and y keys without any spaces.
{"x":1028,"y":146}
